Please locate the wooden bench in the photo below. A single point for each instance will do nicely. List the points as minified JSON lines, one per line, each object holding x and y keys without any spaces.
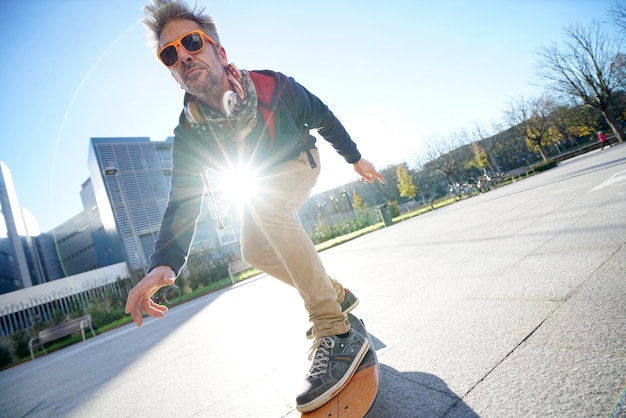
{"x":61,"y":330}
{"x":237,"y":267}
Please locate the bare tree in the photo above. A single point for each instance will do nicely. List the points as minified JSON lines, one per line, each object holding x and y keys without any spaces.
{"x":531,"y":118}
{"x":618,"y":13}
{"x":620,"y":69}
{"x":588,"y":67}
{"x":445,"y":154}
{"x":618,"y":17}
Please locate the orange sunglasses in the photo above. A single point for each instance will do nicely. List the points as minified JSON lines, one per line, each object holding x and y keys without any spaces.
{"x":193,"y":42}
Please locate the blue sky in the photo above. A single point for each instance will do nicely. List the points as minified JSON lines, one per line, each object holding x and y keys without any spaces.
{"x":396,"y":73}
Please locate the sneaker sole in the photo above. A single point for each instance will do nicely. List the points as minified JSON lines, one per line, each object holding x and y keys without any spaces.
{"x":354,"y":305}
{"x":345,"y":380}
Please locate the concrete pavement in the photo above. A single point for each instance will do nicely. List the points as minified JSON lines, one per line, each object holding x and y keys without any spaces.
{"x":508,"y":304}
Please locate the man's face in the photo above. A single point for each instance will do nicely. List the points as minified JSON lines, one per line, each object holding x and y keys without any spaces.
{"x":202,"y":73}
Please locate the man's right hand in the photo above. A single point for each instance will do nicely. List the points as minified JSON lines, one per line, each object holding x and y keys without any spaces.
{"x":139,"y":298}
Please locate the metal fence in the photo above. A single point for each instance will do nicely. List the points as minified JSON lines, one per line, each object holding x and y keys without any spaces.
{"x":17,"y":317}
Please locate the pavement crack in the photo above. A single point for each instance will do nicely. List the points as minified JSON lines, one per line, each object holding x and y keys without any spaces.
{"x":530,"y":334}
{"x":560,"y":302}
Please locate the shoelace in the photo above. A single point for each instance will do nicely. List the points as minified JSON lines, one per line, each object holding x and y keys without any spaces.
{"x":319,"y":352}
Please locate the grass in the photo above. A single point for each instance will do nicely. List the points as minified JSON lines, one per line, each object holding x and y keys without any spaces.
{"x":348,"y":237}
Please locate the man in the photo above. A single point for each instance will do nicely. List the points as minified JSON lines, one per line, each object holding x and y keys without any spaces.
{"x":258,"y":119}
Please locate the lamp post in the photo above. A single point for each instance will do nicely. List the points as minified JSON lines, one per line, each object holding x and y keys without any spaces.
{"x":111,"y":171}
{"x":345,"y":195}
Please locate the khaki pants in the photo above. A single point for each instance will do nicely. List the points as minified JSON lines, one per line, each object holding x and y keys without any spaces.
{"x":273,"y":241}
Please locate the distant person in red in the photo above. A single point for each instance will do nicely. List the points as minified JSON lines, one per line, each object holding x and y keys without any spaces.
{"x":603,"y":140}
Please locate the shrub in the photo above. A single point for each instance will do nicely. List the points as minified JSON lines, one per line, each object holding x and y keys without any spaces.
{"x":545,"y":166}
{"x":106,"y":311}
{"x":324,"y":231}
{"x":21,"y":339}
{"x":5,"y":356}
{"x":206,"y":274}
{"x":393,"y":208}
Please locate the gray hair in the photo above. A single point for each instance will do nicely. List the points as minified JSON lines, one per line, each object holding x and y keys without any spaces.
{"x":160,"y":12}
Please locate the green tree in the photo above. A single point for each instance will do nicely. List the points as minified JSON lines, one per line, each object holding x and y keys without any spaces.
{"x":405,"y":182}
{"x":362,"y":211}
{"x":357,"y":202}
{"x":573,"y":122}
{"x":481,"y":160}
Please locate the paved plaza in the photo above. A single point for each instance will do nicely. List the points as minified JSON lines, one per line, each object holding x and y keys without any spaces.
{"x":507,"y":304}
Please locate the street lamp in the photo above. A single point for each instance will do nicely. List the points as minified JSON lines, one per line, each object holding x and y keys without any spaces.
{"x":109,"y":171}
{"x":345,"y":195}
{"x":335,"y":203}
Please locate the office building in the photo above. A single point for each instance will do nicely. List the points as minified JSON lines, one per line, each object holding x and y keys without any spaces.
{"x":14,"y":270}
{"x":123,"y":203}
{"x":130,"y":178}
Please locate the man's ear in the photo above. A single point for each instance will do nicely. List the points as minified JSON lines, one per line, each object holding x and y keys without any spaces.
{"x":223,"y":57}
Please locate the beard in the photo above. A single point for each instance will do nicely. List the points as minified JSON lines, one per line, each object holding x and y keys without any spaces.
{"x":203,"y":83}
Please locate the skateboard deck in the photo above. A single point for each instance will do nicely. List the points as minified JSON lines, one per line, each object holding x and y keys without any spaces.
{"x":357,"y":399}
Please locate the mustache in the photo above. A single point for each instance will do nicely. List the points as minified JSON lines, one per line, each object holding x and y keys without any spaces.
{"x":187,"y":66}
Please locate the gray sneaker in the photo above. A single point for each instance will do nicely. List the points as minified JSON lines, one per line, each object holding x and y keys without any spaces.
{"x":347,"y":305}
{"x":334,"y":362}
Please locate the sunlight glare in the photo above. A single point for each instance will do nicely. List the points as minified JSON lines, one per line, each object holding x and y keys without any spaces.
{"x":239,"y":185}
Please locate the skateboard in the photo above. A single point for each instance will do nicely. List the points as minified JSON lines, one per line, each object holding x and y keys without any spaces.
{"x":357,"y":399}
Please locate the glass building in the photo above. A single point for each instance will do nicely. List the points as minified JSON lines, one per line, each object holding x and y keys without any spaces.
{"x":130,"y":180}
{"x":14,"y":270}
{"x":123,"y":203}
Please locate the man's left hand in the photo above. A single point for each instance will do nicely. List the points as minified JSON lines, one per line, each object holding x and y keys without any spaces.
{"x":367,"y":171}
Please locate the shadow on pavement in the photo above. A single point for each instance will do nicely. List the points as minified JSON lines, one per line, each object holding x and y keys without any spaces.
{"x":417,"y":394}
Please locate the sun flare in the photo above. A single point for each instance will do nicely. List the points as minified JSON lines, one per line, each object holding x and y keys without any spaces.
{"x":239,"y":185}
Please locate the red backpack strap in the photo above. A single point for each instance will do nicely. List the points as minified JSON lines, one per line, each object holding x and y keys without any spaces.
{"x":265,"y":85}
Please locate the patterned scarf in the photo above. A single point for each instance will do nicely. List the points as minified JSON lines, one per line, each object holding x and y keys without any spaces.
{"x":212,"y":124}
